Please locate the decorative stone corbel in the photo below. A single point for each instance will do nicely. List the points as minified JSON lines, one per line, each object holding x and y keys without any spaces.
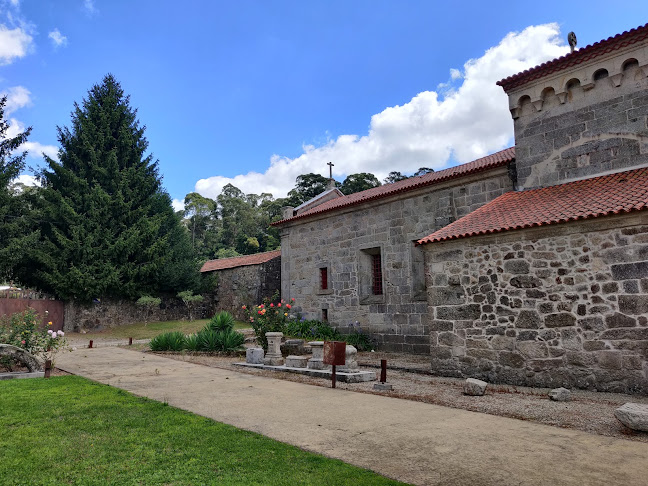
{"x":515,"y":112}
{"x":616,"y":79}
{"x":537,"y":104}
{"x":644,"y":70}
{"x":587,"y":86}
{"x":562,"y":97}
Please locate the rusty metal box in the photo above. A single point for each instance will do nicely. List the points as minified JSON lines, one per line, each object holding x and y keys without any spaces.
{"x":334,"y":353}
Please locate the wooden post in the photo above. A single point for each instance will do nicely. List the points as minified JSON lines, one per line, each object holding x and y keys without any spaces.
{"x":130,"y":341}
{"x":48,"y":368}
{"x":383,"y":371}
{"x":90,"y":345}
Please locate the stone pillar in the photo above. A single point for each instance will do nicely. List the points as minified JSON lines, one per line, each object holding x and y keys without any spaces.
{"x":317,"y":361}
{"x":350,"y":362}
{"x":273,"y":357}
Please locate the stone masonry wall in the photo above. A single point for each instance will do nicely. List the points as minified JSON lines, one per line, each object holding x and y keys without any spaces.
{"x":111,"y":313}
{"x":564,"y":305}
{"x":340,"y":241}
{"x":246,"y":285}
{"x":594,"y":131}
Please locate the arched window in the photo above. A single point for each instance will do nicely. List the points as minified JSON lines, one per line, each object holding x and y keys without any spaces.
{"x":600,"y":74}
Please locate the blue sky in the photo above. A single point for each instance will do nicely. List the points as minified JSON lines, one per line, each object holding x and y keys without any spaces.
{"x":258,"y":92}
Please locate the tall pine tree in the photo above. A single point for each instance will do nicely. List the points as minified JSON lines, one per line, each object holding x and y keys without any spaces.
{"x":107,"y":227}
{"x":12,"y":217}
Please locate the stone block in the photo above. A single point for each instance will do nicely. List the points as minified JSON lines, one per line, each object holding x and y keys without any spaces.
{"x":532,"y":349}
{"x":296,"y":361}
{"x":383,"y":387}
{"x":561,"y":319}
{"x":625,"y":271}
{"x":560,"y":394}
{"x":525,"y":282}
{"x":612,"y":360}
{"x":450,"y":339}
{"x":516,"y":267}
{"x":528,"y":319}
{"x":475,"y":388}
{"x":620,"y":320}
{"x":633,"y":304}
{"x":452,"y":295}
{"x":459,"y":312}
{"x":512,"y":360}
{"x":633,"y":416}
{"x":254,"y":355}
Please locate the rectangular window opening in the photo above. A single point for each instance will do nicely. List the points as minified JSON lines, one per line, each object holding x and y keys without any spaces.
{"x":325,"y":315}
{"x":376,"y":275}
{"x":323,"y":278}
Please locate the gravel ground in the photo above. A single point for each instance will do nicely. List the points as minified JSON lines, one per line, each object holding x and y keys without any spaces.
{"x":409,"y":375}
{"x":591,"y":412}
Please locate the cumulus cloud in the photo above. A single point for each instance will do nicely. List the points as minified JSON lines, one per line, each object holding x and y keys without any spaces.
{"x":17,"y":97}
{"x":178,"y":205}
{"x":14,"y":43}
{"x":35,"y":150}
{"x":27,"y":180}
{"x":461,"y":123}
{"x":57,"y":38}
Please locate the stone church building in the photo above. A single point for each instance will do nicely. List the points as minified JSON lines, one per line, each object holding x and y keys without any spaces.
{"x":528,"y":266}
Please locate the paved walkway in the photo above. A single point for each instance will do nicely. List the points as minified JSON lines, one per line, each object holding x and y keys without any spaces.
{"x":414,"y":442}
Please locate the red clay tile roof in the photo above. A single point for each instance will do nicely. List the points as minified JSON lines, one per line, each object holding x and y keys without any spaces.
{"x":617,"y":42}
{"x":610,"y":194}
{"x":492,"y":161}
{"x":240,"y":261}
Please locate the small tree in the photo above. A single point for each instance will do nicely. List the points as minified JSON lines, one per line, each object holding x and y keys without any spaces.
{"x":190,"y":300}
{"x":149,"y":303}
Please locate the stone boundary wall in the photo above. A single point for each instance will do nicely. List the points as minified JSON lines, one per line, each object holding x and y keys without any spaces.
{"x":339,"y":241}
{"x":563,"y":305}
{"x":247,"y":285}
{"x":112,"y":313}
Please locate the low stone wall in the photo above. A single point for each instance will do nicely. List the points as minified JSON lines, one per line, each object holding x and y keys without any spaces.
{"x":564,"y":305}
{"x":247,"y":285}
{"x":112,"y":313}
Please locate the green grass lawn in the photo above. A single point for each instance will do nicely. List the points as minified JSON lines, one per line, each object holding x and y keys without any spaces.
{"x":146,"y":331}
{"x":69,"y":430}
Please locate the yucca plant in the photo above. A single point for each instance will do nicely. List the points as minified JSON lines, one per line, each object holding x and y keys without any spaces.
{"x":192,"y":342}
{"x":210,"y":341}
{"x":223,"y":321}
{"x":232,"y":340}
{"x":169,"y":341}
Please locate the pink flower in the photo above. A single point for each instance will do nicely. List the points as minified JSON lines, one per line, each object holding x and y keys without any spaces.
{"x":279,"y":304}
{"x":288,"y":306}
{"x":23,"y":341}
{"x":260,"y":312}
{"x":61,"y":333}
{"x":271,"y":305}
{"x":243,"y":307}
{"x":292,"y":300}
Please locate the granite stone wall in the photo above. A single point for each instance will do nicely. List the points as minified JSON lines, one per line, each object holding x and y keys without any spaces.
{"x":110,"y":313}
{"x":342,"y":243}
{"x":564,"y":305}
{"x":596,"y":129}
{"x":247,"y":285}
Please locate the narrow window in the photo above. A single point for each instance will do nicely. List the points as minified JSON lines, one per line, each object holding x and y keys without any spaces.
{"x":325,"y":315}
{"x":323,"y":278}
{"x":376,"y":275}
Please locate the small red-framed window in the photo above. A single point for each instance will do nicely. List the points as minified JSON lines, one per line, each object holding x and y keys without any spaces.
{"x":323,"y":278}
{"x":376,"y":275}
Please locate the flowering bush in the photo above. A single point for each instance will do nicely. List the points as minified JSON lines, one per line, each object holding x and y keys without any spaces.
{"x":21,"y":330}
{"x":269,"y":316}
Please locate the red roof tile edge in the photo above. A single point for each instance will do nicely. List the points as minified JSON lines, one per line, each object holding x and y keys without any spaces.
{"x":240,"y":261}
{"x":454,"y":230}
{"x":577,"y":57}
{"x":488,"y":162}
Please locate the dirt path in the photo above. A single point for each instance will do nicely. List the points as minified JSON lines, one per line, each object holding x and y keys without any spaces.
{"x":414,"y":442}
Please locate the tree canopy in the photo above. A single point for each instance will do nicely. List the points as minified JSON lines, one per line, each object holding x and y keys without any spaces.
{"x":107,"y":228}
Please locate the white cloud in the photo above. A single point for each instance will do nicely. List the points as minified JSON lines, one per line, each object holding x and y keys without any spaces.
{"x":178,"y":205}
{"x":35,"y":150}
{"x":462,"y":122}
{"x":17,"y":97}
{"x":14,"y":43}
{"x":27,"y":180}
{"x":58,"y":39}
{"x":89,"y":6}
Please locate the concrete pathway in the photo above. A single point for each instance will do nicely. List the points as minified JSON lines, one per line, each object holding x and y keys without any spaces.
{"x":414,"y":442}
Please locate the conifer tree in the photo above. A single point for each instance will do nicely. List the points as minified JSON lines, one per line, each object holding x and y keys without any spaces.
{"x":108,"y":228}
{"x":12,"y":221}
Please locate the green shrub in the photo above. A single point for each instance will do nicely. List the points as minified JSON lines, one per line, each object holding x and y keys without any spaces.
{"x":169,"y":341}
{"x":223,"y":321}
{"x":360,"y":340}
{"x":210,"y":341}
{"x":232,"y":340}
{"x":192,"y":342}
{"x":269,"y":316}
{"x":312,"y":329}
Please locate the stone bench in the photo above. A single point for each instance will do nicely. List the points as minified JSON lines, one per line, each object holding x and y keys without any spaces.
{"x":296,"y":361}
